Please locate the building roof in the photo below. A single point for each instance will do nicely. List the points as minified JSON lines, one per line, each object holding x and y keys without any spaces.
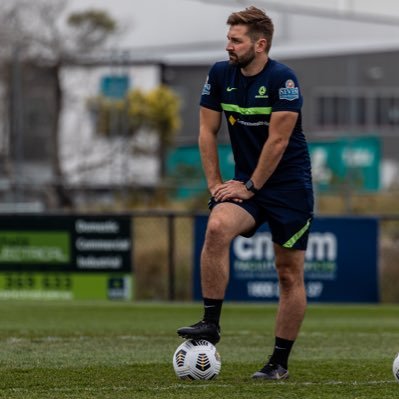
{"x":193,"y":31}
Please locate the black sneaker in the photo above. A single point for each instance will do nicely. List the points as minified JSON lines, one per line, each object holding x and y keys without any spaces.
{"x":271,"y":372}
{"x":202,"y":330}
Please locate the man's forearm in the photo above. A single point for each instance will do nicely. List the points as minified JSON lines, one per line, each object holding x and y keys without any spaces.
{"x":268,"y":161}
{"x":210,"y":159}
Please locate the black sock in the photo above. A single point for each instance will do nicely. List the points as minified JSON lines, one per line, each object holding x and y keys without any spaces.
{"x":212,"y":310}
{"x":282,"y":349}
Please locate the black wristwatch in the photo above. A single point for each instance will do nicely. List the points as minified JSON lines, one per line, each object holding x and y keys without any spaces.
{"x":249,"y":185}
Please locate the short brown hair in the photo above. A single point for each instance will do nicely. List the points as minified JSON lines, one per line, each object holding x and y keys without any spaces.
{"x":258,"y":23}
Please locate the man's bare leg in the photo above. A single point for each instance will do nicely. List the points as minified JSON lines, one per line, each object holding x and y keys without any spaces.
{"x":292,"y":302}
{"x":290,"y":312}
{"x":226,"y":221}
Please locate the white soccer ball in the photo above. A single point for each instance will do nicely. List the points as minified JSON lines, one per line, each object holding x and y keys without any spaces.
{"x":395,"y":368}
{"x":196,"y":360}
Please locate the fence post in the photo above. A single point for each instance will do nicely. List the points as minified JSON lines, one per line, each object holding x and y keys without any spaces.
{"x":171,"y":255}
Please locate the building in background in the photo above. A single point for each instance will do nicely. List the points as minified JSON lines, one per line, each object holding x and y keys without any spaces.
{"x":345,"y":53}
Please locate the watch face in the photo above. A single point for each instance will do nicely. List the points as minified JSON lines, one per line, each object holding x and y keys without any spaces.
{"x":249,"y":185}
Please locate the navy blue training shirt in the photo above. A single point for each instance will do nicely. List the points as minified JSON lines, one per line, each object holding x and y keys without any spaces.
{"x":248,"y":103}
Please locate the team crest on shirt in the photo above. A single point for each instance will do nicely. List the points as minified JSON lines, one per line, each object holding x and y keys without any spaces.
{"x":289,"y":92}
{"x":206,"y":90}
{"x":262,"y":92}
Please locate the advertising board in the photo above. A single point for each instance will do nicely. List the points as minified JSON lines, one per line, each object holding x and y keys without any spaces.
{"x":340,"y":262}
{"x":65,"y":257}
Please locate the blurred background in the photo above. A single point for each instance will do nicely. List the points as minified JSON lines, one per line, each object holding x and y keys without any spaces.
{"x":99,"y":113}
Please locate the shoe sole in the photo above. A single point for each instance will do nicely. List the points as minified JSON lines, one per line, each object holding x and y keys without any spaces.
{"x":262,"y":376}
{"x":188,"y":335}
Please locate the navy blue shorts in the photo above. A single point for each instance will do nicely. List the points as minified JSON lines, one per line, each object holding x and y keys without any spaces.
{"x":289,"y":215}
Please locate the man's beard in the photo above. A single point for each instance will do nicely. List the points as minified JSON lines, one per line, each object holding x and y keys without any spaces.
{"x":244,"y":60}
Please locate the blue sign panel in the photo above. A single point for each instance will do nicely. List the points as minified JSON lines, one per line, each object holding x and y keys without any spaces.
{"x":115,"y":86}
{"x":340,"y":262}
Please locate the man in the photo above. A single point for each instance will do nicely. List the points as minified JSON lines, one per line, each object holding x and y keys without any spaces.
{"x":262,"y":103}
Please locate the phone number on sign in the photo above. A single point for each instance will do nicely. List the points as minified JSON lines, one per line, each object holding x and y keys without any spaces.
{"x":15,"y":281}
{"x":269,"y":289}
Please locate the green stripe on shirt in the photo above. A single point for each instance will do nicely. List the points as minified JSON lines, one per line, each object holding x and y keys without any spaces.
{"x":247,"y":111}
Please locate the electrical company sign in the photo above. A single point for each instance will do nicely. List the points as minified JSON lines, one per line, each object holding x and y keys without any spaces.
{"x":65,"y":257}
{"x":340,"y":262}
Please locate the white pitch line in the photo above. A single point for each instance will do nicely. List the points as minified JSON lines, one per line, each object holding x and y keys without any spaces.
{"x":353,"y":383}
{"x":190,"y":385}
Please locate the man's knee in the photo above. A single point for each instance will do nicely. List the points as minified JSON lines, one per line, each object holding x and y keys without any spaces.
{"x":290,"y":274}
{"x":217,"y":229}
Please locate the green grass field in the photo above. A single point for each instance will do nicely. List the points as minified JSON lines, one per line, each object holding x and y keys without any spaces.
{"x":123,"y":350}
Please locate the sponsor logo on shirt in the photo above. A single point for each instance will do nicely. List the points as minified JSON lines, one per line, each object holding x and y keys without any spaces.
{"x":289,"y":92}
{"x":290,"y":84}
{"x":246,"y":123}
{"x":230,"y":88}
{"x":206,"y":90}
{"x":232,"y":120}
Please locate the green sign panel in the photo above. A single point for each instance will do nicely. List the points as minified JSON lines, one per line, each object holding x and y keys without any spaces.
{"x":185,"y":169}
{"x":65,"y":257}
{"x":348,"y":162}
{"x":34,"y":247}
{"x":65,"y":286}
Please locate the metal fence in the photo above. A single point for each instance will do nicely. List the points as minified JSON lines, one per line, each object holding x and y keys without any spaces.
{"x":163,"y":254}
{"x":163,"y":258}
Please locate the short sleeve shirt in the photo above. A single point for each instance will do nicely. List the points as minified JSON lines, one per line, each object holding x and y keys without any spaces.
{"x":248,"y":103}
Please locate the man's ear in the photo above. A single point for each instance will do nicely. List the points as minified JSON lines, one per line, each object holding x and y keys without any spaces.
{"x":261,"y":45}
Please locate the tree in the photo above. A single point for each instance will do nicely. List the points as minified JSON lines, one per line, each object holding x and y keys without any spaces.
{"x":40,"y":32}
{"x":163,"y":118}
{"x":156,"y":110}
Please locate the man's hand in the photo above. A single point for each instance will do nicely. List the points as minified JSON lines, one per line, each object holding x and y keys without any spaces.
{"x":232,"y":190}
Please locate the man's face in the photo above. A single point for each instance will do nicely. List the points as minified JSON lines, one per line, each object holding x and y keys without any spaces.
{"x":239,"y":46}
